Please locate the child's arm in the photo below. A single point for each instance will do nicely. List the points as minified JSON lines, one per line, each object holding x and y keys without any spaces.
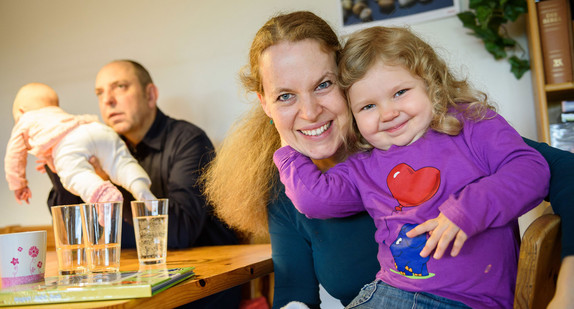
{"x":517,"y":182}
{"x":517,"y":178}
{"x":16,"y":159}
{"x":316,"y":194}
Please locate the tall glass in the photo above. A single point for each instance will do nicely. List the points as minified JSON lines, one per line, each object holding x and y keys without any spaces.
{"x":150,"y":224}
{"x":103,"y":230}
{"x":70,"y":240}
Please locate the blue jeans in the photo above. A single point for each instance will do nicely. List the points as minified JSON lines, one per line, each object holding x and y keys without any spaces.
{"x":378,"y":294}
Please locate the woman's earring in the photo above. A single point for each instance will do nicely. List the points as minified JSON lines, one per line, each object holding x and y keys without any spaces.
{"x":271,"y":121}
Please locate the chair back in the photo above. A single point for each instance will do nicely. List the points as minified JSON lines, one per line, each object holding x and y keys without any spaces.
{"x":539,"y":263}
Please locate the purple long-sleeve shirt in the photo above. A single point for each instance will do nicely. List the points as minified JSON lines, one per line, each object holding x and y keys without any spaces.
{"x":482,"y":179}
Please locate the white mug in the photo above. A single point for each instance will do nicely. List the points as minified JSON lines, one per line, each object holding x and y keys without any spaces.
{"x":22,"y":257}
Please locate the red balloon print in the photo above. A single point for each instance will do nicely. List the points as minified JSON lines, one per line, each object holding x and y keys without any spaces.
{"x":410,"y":187}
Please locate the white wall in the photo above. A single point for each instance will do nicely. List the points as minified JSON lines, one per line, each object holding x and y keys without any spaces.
{"x":193,"y":50}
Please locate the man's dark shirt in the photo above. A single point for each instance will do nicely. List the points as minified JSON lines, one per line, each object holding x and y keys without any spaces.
{"x":173,"y":152}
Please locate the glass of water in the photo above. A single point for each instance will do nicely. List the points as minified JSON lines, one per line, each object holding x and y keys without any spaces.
{"x":150,"y":224}
{"x":70,"y":239}
{"x":103,"y":230}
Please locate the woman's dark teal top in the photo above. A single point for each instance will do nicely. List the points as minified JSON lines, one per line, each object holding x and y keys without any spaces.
{"x":340,"y":254}
{"x":561,"y":194}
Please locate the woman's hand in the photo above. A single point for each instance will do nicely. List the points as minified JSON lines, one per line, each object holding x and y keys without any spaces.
{"x":442,"y":232}
{"x":564,"y":296}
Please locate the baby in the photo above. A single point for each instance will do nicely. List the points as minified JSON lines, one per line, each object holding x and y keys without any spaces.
{"x":66,"y":143}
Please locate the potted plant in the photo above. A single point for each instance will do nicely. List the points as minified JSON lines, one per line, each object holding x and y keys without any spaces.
{"x":487,"y":19}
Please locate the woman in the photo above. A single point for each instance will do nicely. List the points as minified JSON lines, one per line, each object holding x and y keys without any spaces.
{"x":242,"y":182}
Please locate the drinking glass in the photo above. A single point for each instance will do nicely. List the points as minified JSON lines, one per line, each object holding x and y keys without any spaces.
{"x":70,"y":240}
{"x":150,"y":224}
{"x":103,"y":230}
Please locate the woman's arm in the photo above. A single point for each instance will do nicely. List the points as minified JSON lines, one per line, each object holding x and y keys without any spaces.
{"x":292,"y":253}
{"x":561,"y":198}
{"x":561,"y":193}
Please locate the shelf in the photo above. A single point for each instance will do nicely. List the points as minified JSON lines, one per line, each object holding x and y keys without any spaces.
{"x":560,"y":87}
{"x":559,"y":92}
{"x":547,"y":97}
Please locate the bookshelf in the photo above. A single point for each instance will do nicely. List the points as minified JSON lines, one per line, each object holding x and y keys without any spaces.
{"x":547,"y":97}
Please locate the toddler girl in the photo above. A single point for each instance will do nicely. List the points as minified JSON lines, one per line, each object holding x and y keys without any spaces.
{"x":436,"y":157}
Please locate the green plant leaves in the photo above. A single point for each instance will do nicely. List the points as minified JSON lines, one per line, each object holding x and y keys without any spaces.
{"x":518,"y":66}
{"x":486,"y":19}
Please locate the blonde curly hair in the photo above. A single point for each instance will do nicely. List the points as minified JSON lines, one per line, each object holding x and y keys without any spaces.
{"x":398,"y":46}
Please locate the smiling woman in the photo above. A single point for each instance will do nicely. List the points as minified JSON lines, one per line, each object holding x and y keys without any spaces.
{"x":300,"y":94}
{"x":292,"y":70}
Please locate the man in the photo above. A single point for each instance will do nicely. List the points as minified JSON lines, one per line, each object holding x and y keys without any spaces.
{"x":172,"y":152}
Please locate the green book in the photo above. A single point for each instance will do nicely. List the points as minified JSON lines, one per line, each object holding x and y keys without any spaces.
{"x":92,"y":287}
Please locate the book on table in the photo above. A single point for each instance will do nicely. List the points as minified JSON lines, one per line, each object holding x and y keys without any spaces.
{"x":92,"y":287}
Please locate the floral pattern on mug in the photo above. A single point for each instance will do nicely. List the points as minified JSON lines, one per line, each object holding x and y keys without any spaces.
{"x":33,"y":252}
{"x":15,"y":262}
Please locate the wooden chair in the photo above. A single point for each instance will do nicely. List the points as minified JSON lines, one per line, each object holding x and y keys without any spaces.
{"x":539,"y":263}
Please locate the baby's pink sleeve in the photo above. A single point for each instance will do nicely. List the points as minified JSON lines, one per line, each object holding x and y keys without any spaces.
{"x":16,"y":159}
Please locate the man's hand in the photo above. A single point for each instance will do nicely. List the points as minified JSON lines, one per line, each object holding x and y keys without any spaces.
{"x":23,"y":194}
{"x":41,"y":163}
{"x":442,"y":231}
{"x":98,"y":168}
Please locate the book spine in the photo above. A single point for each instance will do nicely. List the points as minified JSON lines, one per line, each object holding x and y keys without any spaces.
{"x":567,"y":106}
{"x":567,"y":117}
{"x":556,"y":38}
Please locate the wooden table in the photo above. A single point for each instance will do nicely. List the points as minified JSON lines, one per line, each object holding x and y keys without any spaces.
{"x":217,"y":268}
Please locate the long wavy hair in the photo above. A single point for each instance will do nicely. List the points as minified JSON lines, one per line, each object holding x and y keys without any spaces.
{"x":240,"y":182}
{"x":396,"y":46}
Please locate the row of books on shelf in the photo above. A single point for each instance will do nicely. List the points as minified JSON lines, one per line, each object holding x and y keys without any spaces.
{"x":556,"y":37}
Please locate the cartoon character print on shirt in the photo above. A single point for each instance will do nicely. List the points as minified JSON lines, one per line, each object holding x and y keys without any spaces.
{"x":411,"y":188}
{"x":406,"y":252}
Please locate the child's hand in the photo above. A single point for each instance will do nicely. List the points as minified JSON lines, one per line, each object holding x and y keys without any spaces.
{"x":98,"y":168}
{"x":442,"y":231}
{"x":23,"y":194}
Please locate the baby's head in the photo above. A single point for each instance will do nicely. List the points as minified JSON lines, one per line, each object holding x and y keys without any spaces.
{"x":33,"y":96}
{"x":395,"y":47}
